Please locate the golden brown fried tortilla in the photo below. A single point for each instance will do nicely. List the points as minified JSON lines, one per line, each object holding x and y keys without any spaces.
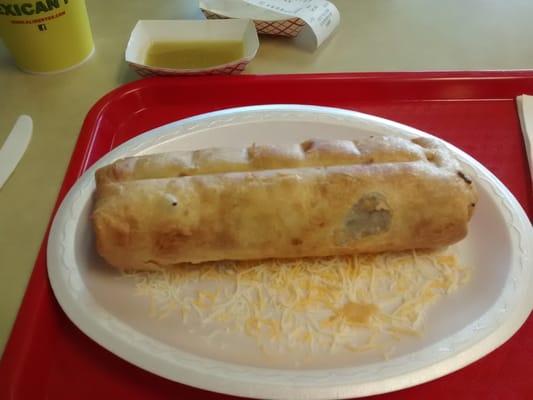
{"x":376,"y":199}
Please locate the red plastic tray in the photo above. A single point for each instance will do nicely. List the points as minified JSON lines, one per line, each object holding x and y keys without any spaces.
{"x":48,"y":357}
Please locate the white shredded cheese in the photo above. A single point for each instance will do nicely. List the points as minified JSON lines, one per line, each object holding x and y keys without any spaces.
{"x":355,"y":303}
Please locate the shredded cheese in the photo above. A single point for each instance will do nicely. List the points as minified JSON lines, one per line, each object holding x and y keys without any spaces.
{"x":357,"y":303}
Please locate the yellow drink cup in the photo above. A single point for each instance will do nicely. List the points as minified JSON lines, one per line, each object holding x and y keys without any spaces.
{"x":46,"y":36}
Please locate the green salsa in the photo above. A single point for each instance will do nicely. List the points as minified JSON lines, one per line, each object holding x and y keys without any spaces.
{"x":193,"y":55}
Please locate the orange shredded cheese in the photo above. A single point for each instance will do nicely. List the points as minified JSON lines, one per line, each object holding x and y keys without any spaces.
{"x":354,"y":303}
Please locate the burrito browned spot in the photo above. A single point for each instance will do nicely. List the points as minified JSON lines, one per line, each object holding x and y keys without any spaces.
{"x":320,"y":198}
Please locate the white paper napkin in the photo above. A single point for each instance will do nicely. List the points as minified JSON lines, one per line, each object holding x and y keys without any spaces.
{"x":525,"y":112}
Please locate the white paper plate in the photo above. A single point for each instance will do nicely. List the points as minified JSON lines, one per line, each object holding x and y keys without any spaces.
{"x":459,"y":330}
